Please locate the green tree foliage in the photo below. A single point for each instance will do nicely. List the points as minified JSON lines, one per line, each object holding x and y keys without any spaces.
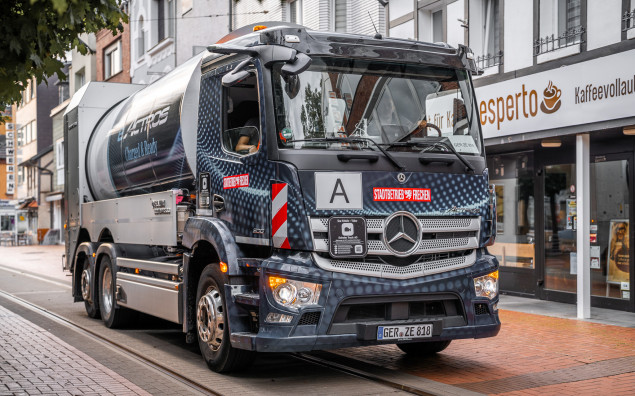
{"x":36,"y":34}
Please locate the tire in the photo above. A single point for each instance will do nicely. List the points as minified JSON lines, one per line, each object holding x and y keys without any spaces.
{"x":113,"y":316}
{"x":212,"y":328}
{"x":424,"y":348}
{"x":87,"y":283}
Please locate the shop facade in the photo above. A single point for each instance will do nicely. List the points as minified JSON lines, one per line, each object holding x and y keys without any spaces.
{"x":560,"y":151}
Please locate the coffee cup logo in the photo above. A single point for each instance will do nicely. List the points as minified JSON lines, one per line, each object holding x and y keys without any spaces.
{"x":551,"y":102}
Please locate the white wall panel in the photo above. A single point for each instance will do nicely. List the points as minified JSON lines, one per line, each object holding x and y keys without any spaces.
{"x":518,"y":33}
{"x":455,"y":32}
{"x":405,"y":30}
{"x":604,"y":23}
{"x":399,"y":8}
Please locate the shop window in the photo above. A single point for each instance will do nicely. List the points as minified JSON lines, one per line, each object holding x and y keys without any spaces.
{"x":610,"y":228}
{"x":512,"y":176}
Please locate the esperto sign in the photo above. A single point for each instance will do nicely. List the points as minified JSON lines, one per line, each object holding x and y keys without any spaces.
{"x":596,"y":90}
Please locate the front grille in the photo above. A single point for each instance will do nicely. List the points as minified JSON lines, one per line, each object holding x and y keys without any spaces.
{"x":481,"y":309}
{"x":427,"y":265}
{"x":309,"y":318}
{"x":382,"y":309}
{"x":446,"y":244}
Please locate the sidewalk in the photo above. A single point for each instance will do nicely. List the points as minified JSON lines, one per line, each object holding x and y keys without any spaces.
{"x":34,"y":362}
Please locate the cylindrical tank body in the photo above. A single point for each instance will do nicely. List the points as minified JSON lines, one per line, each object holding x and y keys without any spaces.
{"x":147,"y":142}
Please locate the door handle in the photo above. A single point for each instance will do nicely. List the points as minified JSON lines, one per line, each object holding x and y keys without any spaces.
{"x":218,"y":202}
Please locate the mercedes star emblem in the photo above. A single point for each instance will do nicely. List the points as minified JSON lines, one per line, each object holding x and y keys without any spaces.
{"x":402,"y":233}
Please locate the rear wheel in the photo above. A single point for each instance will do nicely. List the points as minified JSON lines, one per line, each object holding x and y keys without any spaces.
{"x":112,"y":315}
{"x":212,"y":327}
{"x":86,"y":283}
{"x":424,"y":348}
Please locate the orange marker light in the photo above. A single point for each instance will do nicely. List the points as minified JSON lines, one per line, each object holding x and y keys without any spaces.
{"x":136,"y":270}
{"x":94,"y":254}
{"x":259,"y":27}
{"x":275,"y":281}
{"x":494,"y":274}
{"x":223,"y":267}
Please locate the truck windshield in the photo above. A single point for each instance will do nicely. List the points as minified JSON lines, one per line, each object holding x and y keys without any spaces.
{"x":401,"y":107}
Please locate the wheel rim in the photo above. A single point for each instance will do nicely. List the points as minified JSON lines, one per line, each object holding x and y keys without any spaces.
{"x":106,"y":291}
{"x":86,"y":285}
{"x":209,"y":318}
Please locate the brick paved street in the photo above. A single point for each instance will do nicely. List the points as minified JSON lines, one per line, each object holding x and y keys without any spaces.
{"x":34,"y":362}
{"x":533,"y":354}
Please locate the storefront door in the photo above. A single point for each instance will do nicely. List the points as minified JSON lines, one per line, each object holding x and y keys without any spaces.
{"x":611,"y":247}
{"x":559,"y":216}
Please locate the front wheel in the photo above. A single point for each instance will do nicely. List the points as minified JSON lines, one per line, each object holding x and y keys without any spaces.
{"x":424,"y":348}
{"x":112,"y":316}
{"x":212,"y":326}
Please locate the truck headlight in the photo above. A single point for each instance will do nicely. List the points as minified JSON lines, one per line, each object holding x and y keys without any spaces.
{"x":487,"y":285}
{"x":294,"y":294}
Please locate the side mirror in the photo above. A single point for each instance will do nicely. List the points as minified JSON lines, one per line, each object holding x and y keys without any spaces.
{"x":234,"y":77}
{"x":238,"y":74}
{"x":300,"y":64}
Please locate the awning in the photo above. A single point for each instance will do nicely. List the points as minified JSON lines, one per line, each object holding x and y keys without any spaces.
{"x":28,"y":205}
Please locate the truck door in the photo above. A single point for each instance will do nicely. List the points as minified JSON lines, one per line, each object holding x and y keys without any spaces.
{"x":232,"y":156}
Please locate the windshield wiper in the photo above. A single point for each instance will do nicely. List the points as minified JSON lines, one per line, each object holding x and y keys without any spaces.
{"x":352,"y":140}
{"x":431,"y":143}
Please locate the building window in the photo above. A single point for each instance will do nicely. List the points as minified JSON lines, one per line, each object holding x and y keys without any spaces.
{"x":165,"y":18}
{"x":485,"y":32}
{"x":141,"y":40}
{"x":437,"y":26}
{"x":340,"y":15}
{"x":293,"y":11}
{"x":80,"y":79}
{"x":63,"y":91}
{"x":59,"y":160}
{"x":112,"y":60}
{"x":20,"y":175}
{"x":32,"y":89}
{"x":628,"y":19}
{"x":560,"y":25}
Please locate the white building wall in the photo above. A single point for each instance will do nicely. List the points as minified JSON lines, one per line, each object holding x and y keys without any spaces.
{"x":405,"y":30}
{"x":518,"y":28}
{"x":247,"y":12}
{"x":399,"y":8}
{"x":311,"y":13}
{"x":604,"y":25}
{"x":455,"y":33}
{"x":360,"y":20}
{"x":194,"y":31}
{"x":83,"y":63}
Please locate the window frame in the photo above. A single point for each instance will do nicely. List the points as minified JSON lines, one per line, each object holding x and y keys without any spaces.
{"x":108,"y":60}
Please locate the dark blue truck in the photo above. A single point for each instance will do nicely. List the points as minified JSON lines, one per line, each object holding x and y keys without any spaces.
{"x":287,"y":190}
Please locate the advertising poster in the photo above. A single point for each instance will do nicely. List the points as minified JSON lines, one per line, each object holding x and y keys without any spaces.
{"x":618,"y":258}
{"x":500,"y":201}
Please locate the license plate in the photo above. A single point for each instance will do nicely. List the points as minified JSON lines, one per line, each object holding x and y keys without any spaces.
{"x":404,"y":332}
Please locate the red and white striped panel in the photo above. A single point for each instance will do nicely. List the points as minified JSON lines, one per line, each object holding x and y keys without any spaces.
{"x":279,"y":215}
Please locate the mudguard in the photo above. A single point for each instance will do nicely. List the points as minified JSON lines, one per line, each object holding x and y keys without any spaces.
{"x":87,"y":249}
{"x":215,"y":232}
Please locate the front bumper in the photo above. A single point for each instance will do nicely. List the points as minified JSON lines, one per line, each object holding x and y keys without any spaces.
{"x":351,"y":307}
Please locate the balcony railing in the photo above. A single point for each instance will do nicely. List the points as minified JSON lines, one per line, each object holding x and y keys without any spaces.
{"x":628,"y":20}
{"x":489,"y":60}
{"x":553,"y":42}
